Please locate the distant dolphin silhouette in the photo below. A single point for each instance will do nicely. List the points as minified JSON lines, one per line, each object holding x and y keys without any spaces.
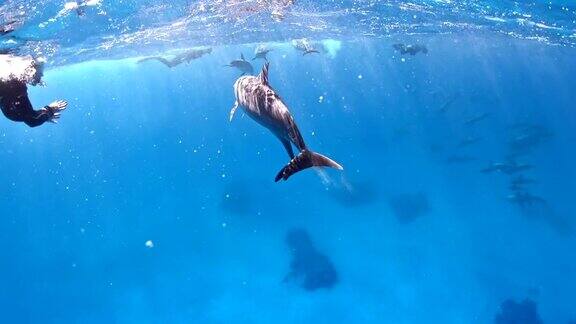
{"x":261,"y":53}
{"x":241,"y":64}
{"x":257,"y":98}
{"x":180,"y":58}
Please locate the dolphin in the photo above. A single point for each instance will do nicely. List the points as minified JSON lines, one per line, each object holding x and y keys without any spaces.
{"x":261,"y":53}
{"x":448,"y":103}
{"x":310,"y":51}
{"x":476,"y":119}
{"x":521,"y":180}
{"x":180,"y":58}
{"x":525,"y":199}
{"x":241,"y":64}
{"x":259,"y":101}
{"x":305,"y":46}
{"x":507,"y":168}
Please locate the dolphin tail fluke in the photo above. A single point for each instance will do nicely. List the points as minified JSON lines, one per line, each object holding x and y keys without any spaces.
{"x":306,"y":159}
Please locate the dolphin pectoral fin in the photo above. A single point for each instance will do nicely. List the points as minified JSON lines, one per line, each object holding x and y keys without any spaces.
{"x":305,"y":160}
{"x":233,"y":110}
{"x":287,"y":146}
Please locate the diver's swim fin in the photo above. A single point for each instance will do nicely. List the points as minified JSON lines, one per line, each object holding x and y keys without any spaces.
{"x":306,"y":159}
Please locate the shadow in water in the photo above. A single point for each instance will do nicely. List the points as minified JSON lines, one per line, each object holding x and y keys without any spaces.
{"x":409,"y":207}
{"x":237,"y":199}
{"x":512,"y":312}
{"x":309,"y":268}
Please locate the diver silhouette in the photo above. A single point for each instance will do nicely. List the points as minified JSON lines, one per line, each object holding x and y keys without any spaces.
{"x":7,"y":28}
{"x":15,"y":73}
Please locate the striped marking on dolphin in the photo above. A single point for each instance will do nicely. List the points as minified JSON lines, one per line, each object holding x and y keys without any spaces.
{"x":259,"y":101}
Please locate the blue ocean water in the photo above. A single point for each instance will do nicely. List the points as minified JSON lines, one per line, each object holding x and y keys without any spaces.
{"x":146,"y":205}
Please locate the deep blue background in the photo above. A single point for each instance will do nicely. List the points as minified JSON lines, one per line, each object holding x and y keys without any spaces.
{"x":147,"y":153}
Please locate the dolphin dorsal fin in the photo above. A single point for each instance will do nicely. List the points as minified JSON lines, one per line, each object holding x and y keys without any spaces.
{"x":242,"y":57}
{"x":264,"y":74}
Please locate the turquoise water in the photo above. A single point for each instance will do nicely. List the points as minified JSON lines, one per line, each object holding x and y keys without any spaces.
{"x":146,"y":205}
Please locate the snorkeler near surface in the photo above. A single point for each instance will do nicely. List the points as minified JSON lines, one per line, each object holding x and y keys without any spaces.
{"x":305,"y":46}
{"x":410,"y":49}
{"x":241,"y":64}
{"x":79,"y":7}
{"x":180,"y":58}
{"x":279,"y":8}
{"x":15,"y":73}
{"x":7,"y":28}
{"x":310,"y":268}
{"x":257,"y":98}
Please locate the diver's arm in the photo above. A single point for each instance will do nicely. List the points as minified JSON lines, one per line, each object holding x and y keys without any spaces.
{"x":49,"y":113}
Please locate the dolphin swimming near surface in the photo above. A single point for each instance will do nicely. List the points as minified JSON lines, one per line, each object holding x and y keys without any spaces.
{"x":261,"y":52}
{"x":305,"y":46}
{"x":310,"y":51}
{"x":259,"y":101}
{"x":241,"y":64}
{"x":180,"y":58}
